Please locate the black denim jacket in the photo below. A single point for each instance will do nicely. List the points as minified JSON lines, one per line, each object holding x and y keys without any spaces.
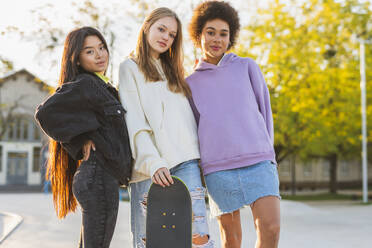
{"x":89,"y":109}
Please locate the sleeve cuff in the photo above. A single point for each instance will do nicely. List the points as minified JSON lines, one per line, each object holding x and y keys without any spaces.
{"x":157,"y":165}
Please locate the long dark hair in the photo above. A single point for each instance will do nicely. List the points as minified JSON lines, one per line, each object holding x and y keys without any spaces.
{"x":61,"y":167}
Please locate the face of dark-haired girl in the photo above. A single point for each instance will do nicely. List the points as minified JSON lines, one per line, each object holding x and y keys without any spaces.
{"x":94,"y":55}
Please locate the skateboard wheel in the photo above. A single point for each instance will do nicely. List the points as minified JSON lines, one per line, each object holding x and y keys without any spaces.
{"x":174,"y":226}
{"x":164,"y":214}
{"x":164,"y":226}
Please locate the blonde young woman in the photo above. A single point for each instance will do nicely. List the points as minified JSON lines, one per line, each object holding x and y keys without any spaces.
{"x":162,"y":129}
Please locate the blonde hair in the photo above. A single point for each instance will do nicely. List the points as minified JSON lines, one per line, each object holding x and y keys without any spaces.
{"x":171,"y":60}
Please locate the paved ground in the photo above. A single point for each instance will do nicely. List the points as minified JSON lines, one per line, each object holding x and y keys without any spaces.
{"x":8,"y":223}
{"x":315,"y":225}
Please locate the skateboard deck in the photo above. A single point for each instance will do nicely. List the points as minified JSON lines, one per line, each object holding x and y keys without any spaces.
{"x":169,"y":216}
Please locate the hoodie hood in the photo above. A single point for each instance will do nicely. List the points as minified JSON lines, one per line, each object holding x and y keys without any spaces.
{"x":226,"y":60}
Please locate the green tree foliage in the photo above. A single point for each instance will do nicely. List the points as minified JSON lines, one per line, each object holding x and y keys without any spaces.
{"x":309,"y":55}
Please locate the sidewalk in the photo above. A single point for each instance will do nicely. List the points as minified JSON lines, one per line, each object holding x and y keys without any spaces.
{"x":318,"y":225}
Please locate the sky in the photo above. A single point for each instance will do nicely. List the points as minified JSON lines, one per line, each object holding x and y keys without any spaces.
{"x":25,"y":52}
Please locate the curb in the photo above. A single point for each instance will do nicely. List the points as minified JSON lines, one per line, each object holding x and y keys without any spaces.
{"x":10,"y":223}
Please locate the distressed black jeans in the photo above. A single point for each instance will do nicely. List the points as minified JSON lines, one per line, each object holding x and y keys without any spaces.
{"x":97,"y":193}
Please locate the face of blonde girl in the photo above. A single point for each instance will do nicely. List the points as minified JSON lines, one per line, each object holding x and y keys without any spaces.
{"x":215,"y":38}
{"x":161,"y":35}
{"x":94,"y":56}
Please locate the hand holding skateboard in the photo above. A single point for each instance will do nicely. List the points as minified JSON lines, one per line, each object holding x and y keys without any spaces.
{"x":162,"y":177}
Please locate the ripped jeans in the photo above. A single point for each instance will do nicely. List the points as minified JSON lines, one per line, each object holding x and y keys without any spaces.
{"x":189,"y":173}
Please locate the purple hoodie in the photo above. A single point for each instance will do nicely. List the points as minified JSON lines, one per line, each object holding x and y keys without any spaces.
{"x":231,"y":104}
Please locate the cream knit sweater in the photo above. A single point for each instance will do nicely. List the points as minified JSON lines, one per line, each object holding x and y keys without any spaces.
{"x":161,"y":126}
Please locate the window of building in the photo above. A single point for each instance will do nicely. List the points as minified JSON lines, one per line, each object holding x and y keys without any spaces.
{"x":308,"y":168}
{"x":25,"y":124}
{"x":345,"y":168}
{"x":325,"y":169}
{"x":11,"y":131}
{"x":18,"y":128}
{"x":285,"y":168}
{"x":36,"y":160}
{"x":23,"y":129}
{"x":36,"y":133}
{"x":1,"y":158}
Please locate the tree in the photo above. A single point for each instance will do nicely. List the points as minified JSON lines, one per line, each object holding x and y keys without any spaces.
{"x":311,"y":64}
{"x":5,"y":65}
{"x":51,"y":35}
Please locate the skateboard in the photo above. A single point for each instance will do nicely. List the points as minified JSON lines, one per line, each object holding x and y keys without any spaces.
{"x":169,"y":216}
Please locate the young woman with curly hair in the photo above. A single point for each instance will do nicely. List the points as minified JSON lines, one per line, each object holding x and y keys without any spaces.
{"x":231,"y":104}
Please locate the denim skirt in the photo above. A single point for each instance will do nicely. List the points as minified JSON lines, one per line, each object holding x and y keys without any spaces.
{"x":230,"y":190}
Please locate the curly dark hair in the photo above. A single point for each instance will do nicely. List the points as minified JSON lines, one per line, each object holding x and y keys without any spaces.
{"x":211,"y":10}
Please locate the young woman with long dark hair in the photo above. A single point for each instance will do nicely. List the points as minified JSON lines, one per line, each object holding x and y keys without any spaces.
{"x":89,"y":148}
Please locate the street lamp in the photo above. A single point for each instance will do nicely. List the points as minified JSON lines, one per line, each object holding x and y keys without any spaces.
{"x":362,"y":43}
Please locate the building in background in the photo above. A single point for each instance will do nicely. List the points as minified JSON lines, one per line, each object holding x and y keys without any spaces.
{"x":314,"y":174}
{"x":21,"y":140}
